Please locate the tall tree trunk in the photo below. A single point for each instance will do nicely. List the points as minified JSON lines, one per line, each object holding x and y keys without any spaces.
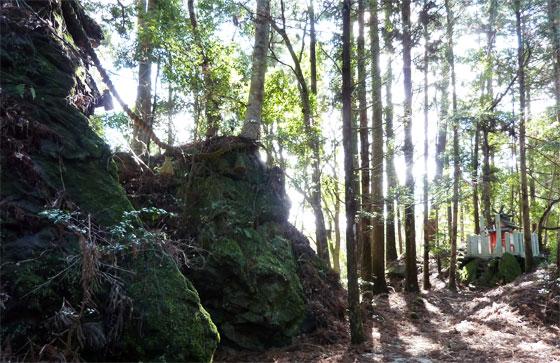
{"x":365,"y":218}
{"x":441,"y":145}
{"x":558,"y":250}
{"x":196,"y":114}
{"x":476,"y":163}
{"x":399,"y":229}
{"x":426,"y":260}
{"x":456,"y":166}
{"x":522,"y":150}
{"x":316,"y":195}
{"x":532,"y":186}
{"x":485,"y":126}
{"x":140,"y":139}
{"x":390,"y":139}
{"x":486,"y":203}
{"x":171,"y":108}
{"x":476,"y":207}
{"x":253,"y":117}
{"x":211,"y":105}
{"x":356,"y":327}
{"x":554,"y":20}
{"x":312,"y":49}
{"x":313,"y":140}
{"x":462,"y":224}
{"x":379,"y":284}
{"x":411,"y":280}
{"x":335,"y":250}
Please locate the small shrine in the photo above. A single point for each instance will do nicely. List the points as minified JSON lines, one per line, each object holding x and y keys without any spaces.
{"x":511,"y":238}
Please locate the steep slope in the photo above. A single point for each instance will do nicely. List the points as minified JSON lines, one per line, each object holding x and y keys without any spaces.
{"x":70,"y":289}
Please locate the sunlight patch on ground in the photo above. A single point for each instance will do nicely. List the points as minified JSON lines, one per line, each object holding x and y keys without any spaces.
{"x":539,"y":346}
{"x":431,"y":308}
{"x":497,"y":313}
{"x":466,"y":327}
{"x":418,"y":345}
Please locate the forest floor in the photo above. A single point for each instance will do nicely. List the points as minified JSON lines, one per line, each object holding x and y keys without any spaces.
{"x":517,"y":322}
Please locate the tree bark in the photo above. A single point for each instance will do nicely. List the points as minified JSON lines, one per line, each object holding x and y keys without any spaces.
{"x":171,"y":107}
{"x":140,"y":138}
{"x":544,"y":217}
{"x":411,"y":278}
{"x":390,"y":139}
{"x":558,"y":251}
{"x":554,"y":20}
{"x":485,"y":126}
{"x":211,"y":106}
{"x":253,"y":117}
{"x":335,"y":251}
{"x":399,"y":229}
{"x":456,"y":167}
{"x":522,"y":149}
{"x":356,"y":327}
{"x":316,"y":196}
{"x":379,"y":284}
{"x":366,"y":205}
{"x":426,"y":260}
{"x":441,"y":145}
{"x":476,"y":207}
{"x":313,"y":141}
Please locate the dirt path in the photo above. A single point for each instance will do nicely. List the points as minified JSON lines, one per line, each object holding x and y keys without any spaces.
{"x":466,"y":326}
{"x":513,"y":323}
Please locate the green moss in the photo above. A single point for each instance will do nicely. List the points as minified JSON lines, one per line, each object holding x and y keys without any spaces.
{"x":169,"y":324}
{"x":469,"y":272}
{"x":509,"y":268}
{"x":105,"y":199}
{"x":249,"y":282}
{"x":64,"y":160}
{"x":490,"y":275}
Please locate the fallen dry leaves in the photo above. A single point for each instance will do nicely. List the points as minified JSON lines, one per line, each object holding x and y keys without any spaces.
{"x":518,"y":322}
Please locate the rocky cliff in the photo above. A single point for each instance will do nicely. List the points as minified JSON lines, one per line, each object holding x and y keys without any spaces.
{"x":70,"y":289}
{"x":92,"y":271}
{"x":255,"y":273}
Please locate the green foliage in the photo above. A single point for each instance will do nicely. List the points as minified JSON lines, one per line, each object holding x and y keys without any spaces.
{"x":113,"y":120}
{"x":469,"y":272}
{"x":167,"y":322}
{"x":554,"y":250}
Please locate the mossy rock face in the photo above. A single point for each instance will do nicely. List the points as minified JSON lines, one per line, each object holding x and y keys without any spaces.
{"x":249,"y":281}
{"x":48,"y":144}
{"x":469,"y":272}
{"x":509,"y":268}
{"x":256,"y":274}
{"x":38,"y":271}
{"x":487,"y":273}
{"x":168,"y":322}
{"x":52,"y":159}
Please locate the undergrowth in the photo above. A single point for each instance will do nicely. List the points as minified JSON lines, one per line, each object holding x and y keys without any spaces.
{"x":99,"y":265}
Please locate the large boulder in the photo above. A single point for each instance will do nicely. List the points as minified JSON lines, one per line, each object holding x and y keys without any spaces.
{"x":489,"y":272}
{"x":509,"y":268}
{"x":256,"y":274}
{"x":249,"y":282}
{"x":67,"y":292}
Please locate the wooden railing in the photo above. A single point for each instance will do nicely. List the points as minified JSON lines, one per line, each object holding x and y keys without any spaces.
{"x":480,"y":245}
{"x":512,"y":242}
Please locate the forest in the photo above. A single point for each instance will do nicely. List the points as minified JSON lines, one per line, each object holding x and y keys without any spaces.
{"x":280,"y":180}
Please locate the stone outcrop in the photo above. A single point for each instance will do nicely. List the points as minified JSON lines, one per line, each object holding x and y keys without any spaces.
{"x":69,"y":290}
